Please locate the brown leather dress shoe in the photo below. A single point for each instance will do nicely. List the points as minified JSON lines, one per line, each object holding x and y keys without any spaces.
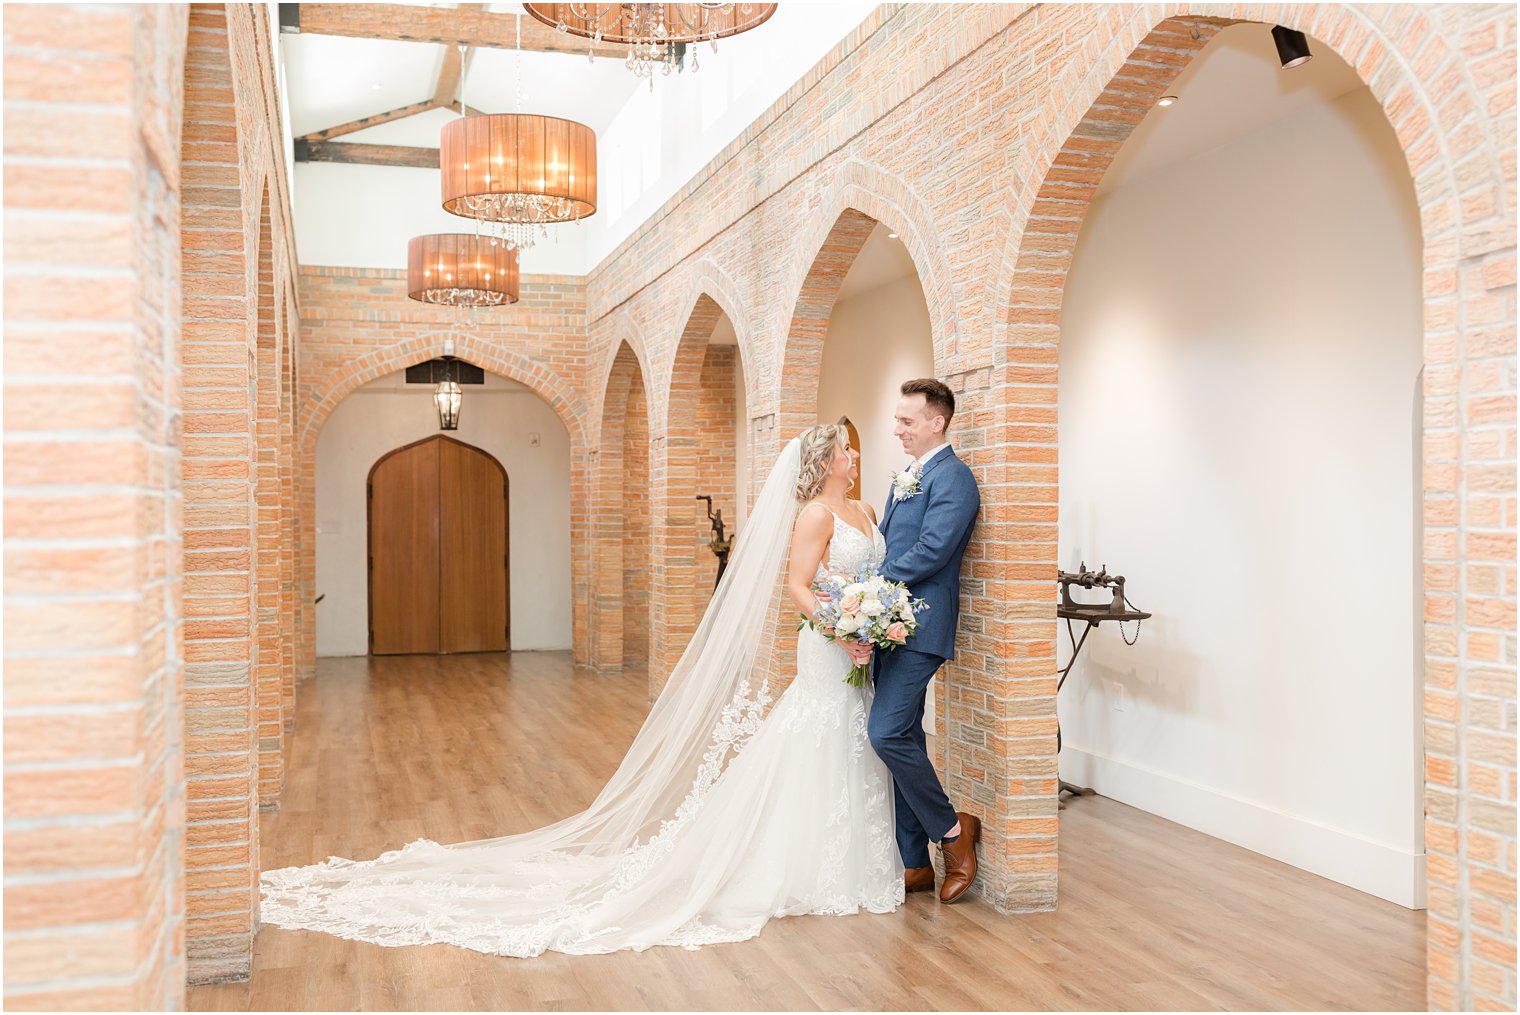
{"x":960,"y":858}
{"x":918,"y":879}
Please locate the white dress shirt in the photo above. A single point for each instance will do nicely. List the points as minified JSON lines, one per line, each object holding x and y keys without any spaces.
{"x":923,"y":461}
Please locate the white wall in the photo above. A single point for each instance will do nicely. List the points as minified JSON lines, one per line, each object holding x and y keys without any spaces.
{"x":1239,"y":405}
{"x":497,"y":417}
{"x":876,"y":340}
{"x":663,"y":136}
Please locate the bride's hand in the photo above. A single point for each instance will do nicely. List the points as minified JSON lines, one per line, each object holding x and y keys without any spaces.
{"x":859,"y":652}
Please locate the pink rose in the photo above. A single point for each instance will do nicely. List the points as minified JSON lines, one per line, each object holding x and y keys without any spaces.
{"x":851,"y":604}
{"x":897,"y":632}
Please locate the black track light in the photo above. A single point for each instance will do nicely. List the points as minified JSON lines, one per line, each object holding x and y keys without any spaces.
{"x":1292,"y":46}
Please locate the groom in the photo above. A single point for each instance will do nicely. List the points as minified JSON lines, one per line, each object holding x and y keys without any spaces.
{"x":931,"y":510}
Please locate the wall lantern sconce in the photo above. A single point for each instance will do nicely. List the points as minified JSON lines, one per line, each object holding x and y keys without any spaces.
{"x":449,"y":396}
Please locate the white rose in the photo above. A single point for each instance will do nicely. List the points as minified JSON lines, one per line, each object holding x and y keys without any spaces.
{"x":848,"y":624}
{"x":872,"y":608}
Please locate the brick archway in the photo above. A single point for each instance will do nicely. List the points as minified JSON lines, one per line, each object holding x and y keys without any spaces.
{"x":866,"y":196}
{"x":619,"y":591}
{"x":1469,"y":258}
{"x":696,"y":456}
{"x":327,"y":392}
{"x":710,"y":282}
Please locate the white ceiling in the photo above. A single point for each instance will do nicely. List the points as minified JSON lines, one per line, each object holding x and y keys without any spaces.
{"x":882,"y":260}
{"x":1234,"y":86}
{"x":332,"y":80}
{"x":646,"y":151}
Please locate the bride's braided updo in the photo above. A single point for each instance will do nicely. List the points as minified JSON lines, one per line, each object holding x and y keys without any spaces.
{"x":818,"y":446}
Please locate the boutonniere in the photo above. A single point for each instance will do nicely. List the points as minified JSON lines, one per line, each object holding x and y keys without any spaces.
{"x":904,"y":485}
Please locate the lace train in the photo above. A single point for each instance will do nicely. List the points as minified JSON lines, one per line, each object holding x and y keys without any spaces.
{"x":788,"y":815}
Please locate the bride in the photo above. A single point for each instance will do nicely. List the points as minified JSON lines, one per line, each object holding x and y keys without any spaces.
{"x":719,"y":818}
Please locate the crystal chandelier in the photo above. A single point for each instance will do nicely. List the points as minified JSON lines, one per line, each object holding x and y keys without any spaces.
{"x":518,"y":173}
{"x":656,"y":34}
{"x":461,"y":270}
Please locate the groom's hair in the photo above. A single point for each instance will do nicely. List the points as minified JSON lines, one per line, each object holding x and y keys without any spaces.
{"x":938,"y":398}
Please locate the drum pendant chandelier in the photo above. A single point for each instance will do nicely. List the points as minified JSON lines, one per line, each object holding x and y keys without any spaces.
{"x":461,"y":270}
{"x":654,"y":33}
{"x":520,"y":171}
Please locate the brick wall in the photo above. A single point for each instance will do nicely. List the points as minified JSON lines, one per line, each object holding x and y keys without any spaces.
{"x":639,"y":562}
{"x":237,"y":256}
{"x":983,"y":161}
{"x":715,"y":454}
{"x":976,"y":132}
{"x":94,"y":799}
{"x":695,"y":454}
{"x":982,"y":152}
{"x":358,"y":325}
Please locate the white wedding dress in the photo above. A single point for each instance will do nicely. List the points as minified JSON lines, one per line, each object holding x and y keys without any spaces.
{"x":777,"y":816}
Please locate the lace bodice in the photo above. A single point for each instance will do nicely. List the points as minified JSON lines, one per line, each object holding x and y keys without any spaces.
{"x":849,"y":548}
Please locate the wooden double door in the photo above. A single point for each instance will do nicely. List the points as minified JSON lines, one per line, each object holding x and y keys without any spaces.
{"x":438,"y":559}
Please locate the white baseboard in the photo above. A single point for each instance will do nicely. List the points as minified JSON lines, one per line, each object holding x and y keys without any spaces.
{"x":1372,"y":867}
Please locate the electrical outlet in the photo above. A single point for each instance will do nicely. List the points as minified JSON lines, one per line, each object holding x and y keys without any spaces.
{"x":1118,"y":696}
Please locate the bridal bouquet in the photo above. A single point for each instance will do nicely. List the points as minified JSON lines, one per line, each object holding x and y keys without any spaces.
{"x":869,"y":609}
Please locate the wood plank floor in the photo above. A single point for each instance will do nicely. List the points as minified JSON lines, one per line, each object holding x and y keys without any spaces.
{"x":1152,"y":915}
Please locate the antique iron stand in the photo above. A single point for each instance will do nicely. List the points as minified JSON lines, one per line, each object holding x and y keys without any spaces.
{"x":1119,"y":609}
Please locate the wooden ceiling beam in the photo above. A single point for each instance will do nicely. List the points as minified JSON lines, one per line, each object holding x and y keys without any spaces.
{"x":451,"y":71}
{"x":353,"y":153}
{"x":365,"y":122}
{"x":439,"y":25}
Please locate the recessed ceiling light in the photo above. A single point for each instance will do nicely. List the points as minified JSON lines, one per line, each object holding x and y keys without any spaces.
{"x":1166,"y":100}
{"x":891,"y":236}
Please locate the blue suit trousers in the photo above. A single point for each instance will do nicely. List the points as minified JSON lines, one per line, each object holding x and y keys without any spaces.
{"x":896,"y":729}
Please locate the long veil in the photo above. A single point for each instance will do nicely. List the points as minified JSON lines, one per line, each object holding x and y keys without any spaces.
{"x":574,"y":884}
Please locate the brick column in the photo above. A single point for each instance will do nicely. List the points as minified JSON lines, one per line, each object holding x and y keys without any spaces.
{"x":695,"y":455}
{"x":620,"y":505}
{"x":269,"y":524}
{"x":221,"y":862}
{"x":94,"y":807}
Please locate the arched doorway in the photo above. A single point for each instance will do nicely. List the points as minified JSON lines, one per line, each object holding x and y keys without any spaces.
{"x":438,"y":561}
{"x":860,"y":327}
{"x":502,"y":417}
{"x":620,"y":613}
{"x":878,"y":336}
{"x":702,"y":482}
{"x":1218,"y":385}
{"x":854,"y":432}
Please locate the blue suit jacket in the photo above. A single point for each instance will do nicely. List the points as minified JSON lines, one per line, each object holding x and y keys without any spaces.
{"x":926,"y":538}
